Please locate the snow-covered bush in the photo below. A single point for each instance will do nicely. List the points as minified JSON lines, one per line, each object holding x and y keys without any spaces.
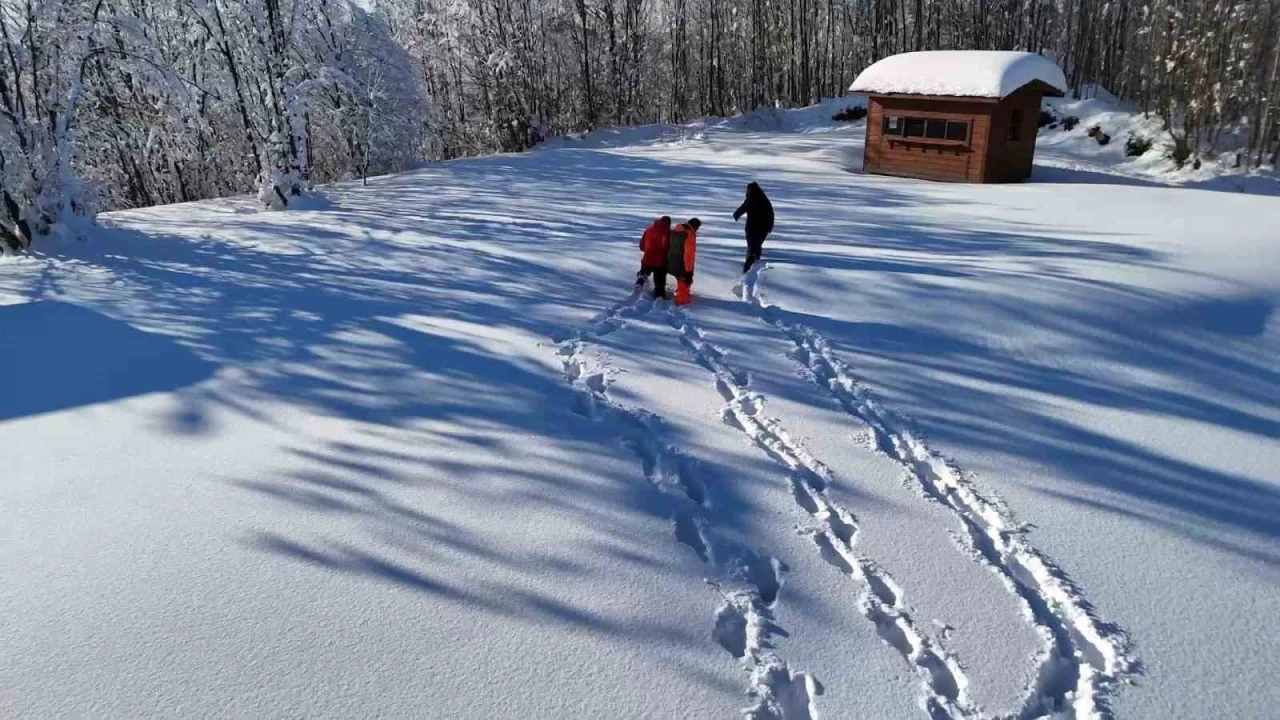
{"x":45,"y":82}
{"x":137,"y":104}
{"x":850,"y":114}
{"x":365,"y":111}
{"x":1136,"y":146}
{"x":1180,"y":149}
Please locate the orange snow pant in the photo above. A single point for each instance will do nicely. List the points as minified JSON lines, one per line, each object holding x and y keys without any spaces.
{"x":683,"y":287}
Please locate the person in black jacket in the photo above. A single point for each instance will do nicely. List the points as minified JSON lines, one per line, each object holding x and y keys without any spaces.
{"x":759,"y":212}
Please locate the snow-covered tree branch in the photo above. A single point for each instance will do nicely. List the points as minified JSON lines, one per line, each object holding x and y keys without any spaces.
{"x":126,"y":103}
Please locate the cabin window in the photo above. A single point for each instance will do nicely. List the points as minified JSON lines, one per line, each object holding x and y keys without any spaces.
{"x":1013,"y":132}
{"x":929,"y":128}
{"x":957,"y":130}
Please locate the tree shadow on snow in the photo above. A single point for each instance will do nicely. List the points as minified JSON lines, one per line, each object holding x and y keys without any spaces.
{"x":391,"y":312}
{"x":68,"y":356}
{"x":1114,"y":338}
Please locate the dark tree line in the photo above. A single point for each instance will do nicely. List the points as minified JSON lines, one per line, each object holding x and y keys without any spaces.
{"x":123,"y":103}
{"x":502,"y":71}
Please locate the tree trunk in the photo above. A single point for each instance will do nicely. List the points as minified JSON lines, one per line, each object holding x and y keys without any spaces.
{"x":919,"y":23}
{"x":588,"y":94}
{"x":614,"y":70}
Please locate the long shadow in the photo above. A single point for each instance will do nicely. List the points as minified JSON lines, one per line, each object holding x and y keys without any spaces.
{"x":837,"y":261}
{"x":1048,"y":174}
{"x":402,"y":309}
{"x":51,"y":341}
{"x":1206,"y":346}
{"x":970,"y":394}
{"x":390,"y":308}
{"x":1266,"y":184}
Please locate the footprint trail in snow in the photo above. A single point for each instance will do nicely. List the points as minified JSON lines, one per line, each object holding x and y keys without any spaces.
{"x":747,"y":581}
{"x":943,"y":684}
{"x":1085,"y":659}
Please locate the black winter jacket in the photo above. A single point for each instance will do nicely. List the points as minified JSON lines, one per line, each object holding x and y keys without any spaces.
{"x":759,"y":212}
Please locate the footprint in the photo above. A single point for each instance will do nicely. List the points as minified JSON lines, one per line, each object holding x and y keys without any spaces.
{"x":692,"y":483}
{"x":881,"y":589}
{"x":831,"y":555}
{"x":585,"y":405}
{"x":597,"y":382}
{"x":689,"y":532}
{"x":730,"y":630}
{"x":800,"y":491}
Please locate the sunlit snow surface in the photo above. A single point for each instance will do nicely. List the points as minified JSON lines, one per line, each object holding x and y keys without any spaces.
{"x":955,"y":450}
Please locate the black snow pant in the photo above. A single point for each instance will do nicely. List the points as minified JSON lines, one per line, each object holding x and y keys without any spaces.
{"x":659,"y":273}
{"x":755,"y":246}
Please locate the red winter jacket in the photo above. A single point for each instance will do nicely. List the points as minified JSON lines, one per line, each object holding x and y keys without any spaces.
{"x":654,"y":243}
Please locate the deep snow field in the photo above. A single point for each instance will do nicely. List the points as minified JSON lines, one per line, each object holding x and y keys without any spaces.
{"x":955,"y":451}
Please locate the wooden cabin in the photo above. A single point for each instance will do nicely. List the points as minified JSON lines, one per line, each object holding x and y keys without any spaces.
{"x":961,"y":116}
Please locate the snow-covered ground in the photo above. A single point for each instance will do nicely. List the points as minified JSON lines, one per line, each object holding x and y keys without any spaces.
{"x":967,"y":451}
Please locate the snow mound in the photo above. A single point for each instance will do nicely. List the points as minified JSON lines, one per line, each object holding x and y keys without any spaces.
{"x":1062,"y":146}
{"x":812,"y":118}
{"x":960,"y":73}
{"x":765,"y":119}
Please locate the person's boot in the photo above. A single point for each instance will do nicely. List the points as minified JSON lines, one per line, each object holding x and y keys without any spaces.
{"x":682,"y":293}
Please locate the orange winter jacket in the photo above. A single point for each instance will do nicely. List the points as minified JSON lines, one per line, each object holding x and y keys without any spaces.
{"x":682,"y":250}
{"x":654,"y":243}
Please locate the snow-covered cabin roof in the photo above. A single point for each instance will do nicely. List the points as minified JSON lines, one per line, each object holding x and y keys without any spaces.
{"x":959,"y":73}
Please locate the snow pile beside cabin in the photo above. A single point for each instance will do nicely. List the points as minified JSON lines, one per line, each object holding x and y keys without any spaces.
{"x":958,"y":73}
{"x":1058,"y":148}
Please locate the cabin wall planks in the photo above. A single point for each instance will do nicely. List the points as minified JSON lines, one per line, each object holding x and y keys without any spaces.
{"x":991,"y":153}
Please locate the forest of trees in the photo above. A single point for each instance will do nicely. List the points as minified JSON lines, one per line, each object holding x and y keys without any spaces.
{"x":126,"y":103}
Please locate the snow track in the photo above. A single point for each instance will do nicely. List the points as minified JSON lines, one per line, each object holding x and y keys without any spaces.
{"x":1084,"y":658}
{"x":747,"y":581}
{"x":374,"y":436}
{"x":943,"y":684}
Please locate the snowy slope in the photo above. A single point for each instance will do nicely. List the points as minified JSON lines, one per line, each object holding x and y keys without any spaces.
{"x":1073,"y":150}
{"x":960,"y":451}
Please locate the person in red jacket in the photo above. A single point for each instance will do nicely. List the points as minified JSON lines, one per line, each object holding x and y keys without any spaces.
{"x":682,"y":254}
{"x":654,"y":261}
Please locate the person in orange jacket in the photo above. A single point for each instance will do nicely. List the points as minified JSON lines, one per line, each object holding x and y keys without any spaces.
{"x":682,"y":254}
{"x":654,"y":261}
